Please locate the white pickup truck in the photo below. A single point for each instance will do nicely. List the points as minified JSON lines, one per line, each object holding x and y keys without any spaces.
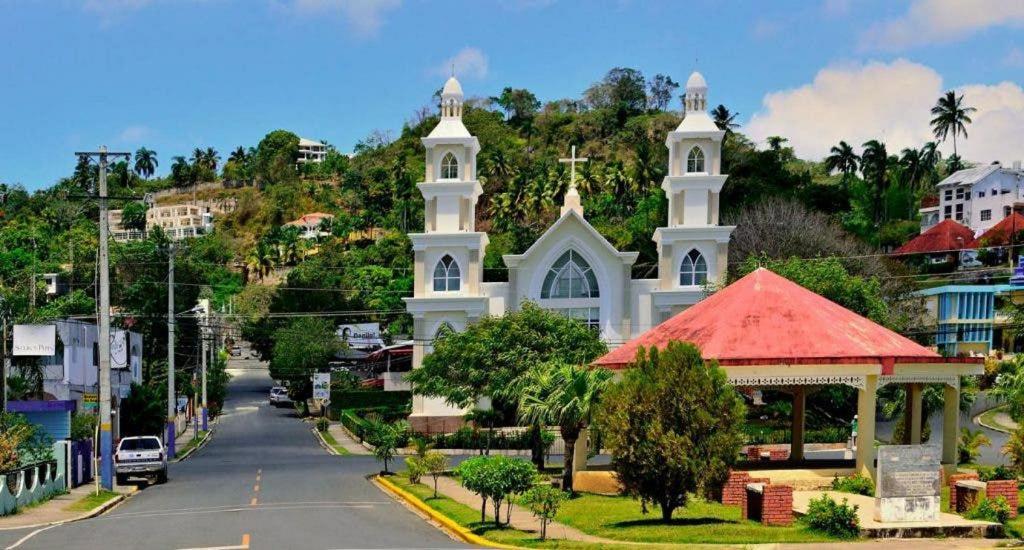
{"x":140,"y":457}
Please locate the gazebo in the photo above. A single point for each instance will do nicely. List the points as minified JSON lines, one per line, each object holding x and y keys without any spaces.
{"x":768,"y":332}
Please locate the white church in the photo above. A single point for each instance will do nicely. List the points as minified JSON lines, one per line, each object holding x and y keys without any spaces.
{"x":571,"y":268}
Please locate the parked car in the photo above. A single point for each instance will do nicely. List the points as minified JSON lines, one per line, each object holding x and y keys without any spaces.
{"x":236,"y":351}
{"x":140,"y":457}
{"x":279,"y":396}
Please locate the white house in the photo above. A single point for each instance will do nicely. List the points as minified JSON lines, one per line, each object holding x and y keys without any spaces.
{"x":571,"y":268}
{"x":977,"y":197}
{"x":311,"y":151}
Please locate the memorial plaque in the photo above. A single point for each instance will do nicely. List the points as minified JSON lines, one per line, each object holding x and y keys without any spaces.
{"x":909,"y":483}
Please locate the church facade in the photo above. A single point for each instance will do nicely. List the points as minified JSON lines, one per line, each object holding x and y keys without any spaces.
{"x":571,"y":268}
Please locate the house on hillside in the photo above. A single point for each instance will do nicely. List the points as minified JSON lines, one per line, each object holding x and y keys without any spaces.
{"x":940,"y":244}
{"x":977,"y":197}
{"x":178,"y":222}
{"x":311,"y":151}
{"x":571,"y":268}
{"x":313,"y":224}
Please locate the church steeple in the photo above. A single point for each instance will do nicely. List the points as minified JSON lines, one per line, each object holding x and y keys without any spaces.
{"x":696,"y":93}
{"x":451,"y":99}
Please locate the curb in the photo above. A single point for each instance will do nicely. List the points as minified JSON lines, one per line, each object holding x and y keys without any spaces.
{"x":99,"y":510}
{"x":446,"y":524}
{"x":995,"y":428}
{"x":320,"y":439}
{"x":192,"y":451}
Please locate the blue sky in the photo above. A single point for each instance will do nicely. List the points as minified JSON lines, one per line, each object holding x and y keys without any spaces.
{"x":175,"y":74}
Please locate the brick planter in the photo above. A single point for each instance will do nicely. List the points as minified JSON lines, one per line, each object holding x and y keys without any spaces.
{"x":769,"y":504}
{"x":735,"y":489}
{"x":774,"y":454}
{"x":952,"y":479}
{"x":965,"y":494}
{"x":1006,"y":488}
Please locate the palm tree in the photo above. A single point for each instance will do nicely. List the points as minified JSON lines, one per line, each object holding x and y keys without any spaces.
{"x":180,"y":170}
{"x":842,"y":158}
{"x":238,"y":155}
{"x":970,"y":445}
{"x":198,"y":157}
{"x":211,"y":158}
{"x":725,"y":119}
{"x":874,"y":164}
{"x":145,"y":162}
{"x":568,"y":398}
{"x":775,"y":143}
{"x":951,"y":117}
{"x":1014,"y":450}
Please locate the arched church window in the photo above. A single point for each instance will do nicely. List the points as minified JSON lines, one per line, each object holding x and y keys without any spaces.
{"x":570,"y":277}
{"x":447,"y":277}
{"x":444,"y":330}
{"x":695,"y":160}
{"x":694,"y":270}
{"x":449,"y":167}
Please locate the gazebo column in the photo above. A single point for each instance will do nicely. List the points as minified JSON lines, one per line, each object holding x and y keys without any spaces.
{"x":913,"y":412}
{"x":866,"y":426}
{"x":580,"y":451}
{"x":950,"y":424}
{"x":796,"y":448}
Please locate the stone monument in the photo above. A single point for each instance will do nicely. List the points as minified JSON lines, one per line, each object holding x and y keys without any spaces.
{"x":908,"y":483}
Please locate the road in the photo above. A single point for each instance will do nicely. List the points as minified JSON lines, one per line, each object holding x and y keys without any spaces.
{"x":261,"y":482}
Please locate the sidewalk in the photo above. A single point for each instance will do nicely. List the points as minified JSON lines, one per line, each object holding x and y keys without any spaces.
{"x":340,"y":434}
{"x":53,"y":510}
{"x":522,"y":518}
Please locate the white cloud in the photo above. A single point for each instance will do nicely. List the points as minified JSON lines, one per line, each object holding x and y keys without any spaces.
{"x":364,"y":16}
{"x":889,"y":102}
{"x":468,"y":62}
{"x":1014,"y":58}
{"x":938,"y":21}
{"x":135,"y":133}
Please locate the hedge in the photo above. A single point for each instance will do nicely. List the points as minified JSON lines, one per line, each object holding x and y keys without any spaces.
{"x":833,"y":434}
{"x":365,"y":399}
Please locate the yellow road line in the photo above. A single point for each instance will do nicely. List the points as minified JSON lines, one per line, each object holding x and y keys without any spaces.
{"x":245,"y":540}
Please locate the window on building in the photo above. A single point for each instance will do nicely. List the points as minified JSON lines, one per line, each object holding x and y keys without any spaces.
{"x":449,"y":167}
{"x":947,"y":212}
{"x":960,"y":212}
{"x":694,"y":269}
{"x":590,"y":316}
{"x":447,"y":277}
{"x":959,"y":194}
{"x":1004,"y":192}
{"x":570,"y":277}
{"x":981,"y":194}
{"x":1006,"y":211}
{"x":948,"y":194}
{"x":986,"y":215}
{"x":695,"y":160}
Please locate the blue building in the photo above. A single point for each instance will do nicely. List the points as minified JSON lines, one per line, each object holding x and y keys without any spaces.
{"x":969,"y":319}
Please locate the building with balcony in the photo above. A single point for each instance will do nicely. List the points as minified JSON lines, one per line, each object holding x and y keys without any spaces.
{"x":977,"y":197}
{"x":311,"y":151}
{"x":178,"y":222}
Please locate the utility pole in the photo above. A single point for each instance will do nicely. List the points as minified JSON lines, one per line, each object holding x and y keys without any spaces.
{"x":106,"y":435}
{"x":7,"y":358}
{"x":172,"y":405}
{"x":203,"y":333}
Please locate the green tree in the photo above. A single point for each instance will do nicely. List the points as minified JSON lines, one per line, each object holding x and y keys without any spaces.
{"x":133,"y":216}
{"x":275,"y":158}
{"x":435,"y":463}
{"x":520,"y":105}
{"x":673,"y":426}
{"x":843,"y":159}
{"x":493,"y":352}
{"x":145,"y":162}
{"x":544,"y":501}
{"x":875,"y":167}
{"x":567,"y":398}
{"x":951,"y":117}
{"x":495,"y":478}
{"x":725,"y":119}
{"x":970,"y":444}
{"x":143,"y":412}
{"x":302,"y":347}
{"x":661,"y":89}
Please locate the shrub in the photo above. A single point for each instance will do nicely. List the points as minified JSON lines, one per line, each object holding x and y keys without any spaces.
{"x":495,"y":478}
{"x":416,"y":468}
{"x":83,"y":426}
{"x":836,"y":519}
{"x":544,"y":501}
{"x":856,"y":484}
{"x":435,"y":463}
{"x":990,"y":473}
{"x":990,"y":509}
{"x":322,"y":424}
{"x":364,"y":399}
{"x":468,"y":438}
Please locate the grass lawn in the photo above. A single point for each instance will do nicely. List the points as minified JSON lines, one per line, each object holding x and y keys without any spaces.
{"x":620,"y":518}
{"x":192,"y":443}
{"x":989,"y":418}
{"x":87,"y":503}
{"x":1015,"y":527}
{"x":334,"y":443}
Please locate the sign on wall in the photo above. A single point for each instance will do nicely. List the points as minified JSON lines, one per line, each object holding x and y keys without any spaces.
{"x":361,"y":335}
{"x":322,"y":386}
{"x":90,"y":402}
{"x":38,"y":340}
{"x":119,"y":349}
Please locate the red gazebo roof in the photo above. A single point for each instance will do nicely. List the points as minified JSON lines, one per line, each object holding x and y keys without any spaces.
{"x":766,"y":319}
{"x":1000,"y":233}
{"x":945,"y":236}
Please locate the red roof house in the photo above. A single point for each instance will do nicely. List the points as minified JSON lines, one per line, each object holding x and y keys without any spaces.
{"x":766,"y":319}
{"x":1000,"y":233}
{"x":946,"y":236}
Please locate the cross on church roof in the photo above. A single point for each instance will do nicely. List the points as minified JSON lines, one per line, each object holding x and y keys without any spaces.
{"x":572,"y":160}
